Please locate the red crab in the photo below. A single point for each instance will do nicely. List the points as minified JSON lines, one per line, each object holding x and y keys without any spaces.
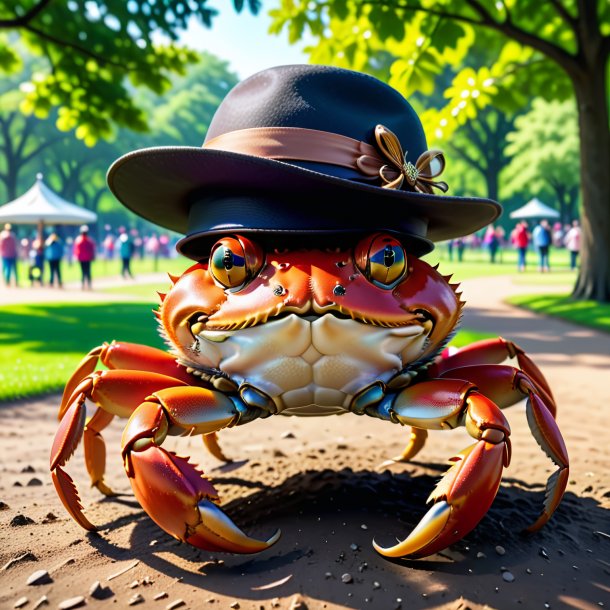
{"x":304,"y":332}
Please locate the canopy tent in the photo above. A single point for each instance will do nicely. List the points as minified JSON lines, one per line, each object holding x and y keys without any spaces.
{"x":535,"y":209}
{"x":40,"y":206}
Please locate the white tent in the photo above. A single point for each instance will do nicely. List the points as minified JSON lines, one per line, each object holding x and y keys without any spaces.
{"x":40,"y":206}
{"x":535,"y":209}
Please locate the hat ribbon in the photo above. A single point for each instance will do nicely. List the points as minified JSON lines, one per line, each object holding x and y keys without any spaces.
{"x":386,"y":161}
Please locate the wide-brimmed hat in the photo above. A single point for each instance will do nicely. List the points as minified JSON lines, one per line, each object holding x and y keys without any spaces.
{"x":296,"y":153}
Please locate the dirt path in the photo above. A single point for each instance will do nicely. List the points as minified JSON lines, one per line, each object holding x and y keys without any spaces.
{"x":316,"y":479}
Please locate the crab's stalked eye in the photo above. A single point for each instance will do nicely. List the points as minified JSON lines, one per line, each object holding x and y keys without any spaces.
{"x":234,"y":261}
{"x":382,"y":259}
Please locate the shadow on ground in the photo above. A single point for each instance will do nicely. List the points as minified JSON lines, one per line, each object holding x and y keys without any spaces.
{"x":311,"y":506}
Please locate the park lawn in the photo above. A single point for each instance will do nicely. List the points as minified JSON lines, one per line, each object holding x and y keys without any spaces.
{"x":102,"y":268}
{"x":145,"y":292}
{"x":586,"y":313}
{"x":555,"y":280}
{"x":465,"y":336}
{"x":476,"y":264}
{"x":40,"y":345}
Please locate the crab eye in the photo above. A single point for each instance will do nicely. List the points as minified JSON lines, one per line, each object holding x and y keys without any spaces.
{"x":234,"y":261}
{"x":382,"y":259}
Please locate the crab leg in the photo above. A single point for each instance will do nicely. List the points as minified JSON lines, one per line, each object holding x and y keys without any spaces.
{"x":544,"y":429}
{"x":506,"y":385}
{"x":492,"y":351}
{"x":468,"y":488}
{"x":95,"y":449}
{"x":134,"y":357}
{"x":129,"y":356}
{"x":501,"y":388}
{"x":116,"y":393}
{"x":171,"y":490}
{"x":210,"y":442}
{"x":417,"y":439}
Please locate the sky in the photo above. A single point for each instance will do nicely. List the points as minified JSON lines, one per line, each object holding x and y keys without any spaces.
{"x":243,"y":41}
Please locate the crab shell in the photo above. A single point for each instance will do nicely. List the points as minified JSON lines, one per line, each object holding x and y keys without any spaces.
{"x":309,"y":329}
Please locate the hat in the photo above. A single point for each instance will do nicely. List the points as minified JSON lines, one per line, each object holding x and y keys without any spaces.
{"x":302,"y":152}
{"x":84,"y":229}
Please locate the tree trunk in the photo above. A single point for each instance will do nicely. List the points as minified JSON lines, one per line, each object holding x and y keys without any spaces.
{"x":491,"y":178}
{"x":591,"y":95}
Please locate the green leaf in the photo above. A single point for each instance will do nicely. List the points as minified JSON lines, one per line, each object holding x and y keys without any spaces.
{"x":10,"y":61}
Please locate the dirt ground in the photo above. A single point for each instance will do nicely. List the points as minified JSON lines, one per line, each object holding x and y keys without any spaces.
{"x":318,"y":480}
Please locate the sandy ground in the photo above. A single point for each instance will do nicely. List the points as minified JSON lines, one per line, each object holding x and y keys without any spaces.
{"x":317,"y":479}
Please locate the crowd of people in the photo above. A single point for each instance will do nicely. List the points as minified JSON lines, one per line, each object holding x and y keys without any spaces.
{"x":125,"y":244}
{"x":44,"y":258}
{"x":541,"y":238}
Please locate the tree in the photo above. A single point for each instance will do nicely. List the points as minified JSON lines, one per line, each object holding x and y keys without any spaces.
{"x":96,"y":52}
{"x":481,"y":144}
{"x":76,"y":171}
{"x":544,"y":147}
{"x":22,"y":139}
{"x":181,"y":117}
{"x":550,"y":48}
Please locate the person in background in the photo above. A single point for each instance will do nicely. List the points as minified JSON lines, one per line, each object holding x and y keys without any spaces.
{"x":126,"y":248}
{"x":520,"y":238}
{"x":164,"y":249}
{"x":24,"y":252}
{"x":542,"y":239}
{"x":501,"y":237}
{"x":138,"y":244}
{"x":54,"y":252}
{"x":558,"y":235}
{"x":450,"y":248}
{"x":491,"y":242}
{"x":36,"y":257}
{"x":9,"y":251}
{"x":460,"y":246}
{"x":108,"y":246}
{"x":84,"y":252}
{"x":572,"y":243}
{"x":153,"y":247}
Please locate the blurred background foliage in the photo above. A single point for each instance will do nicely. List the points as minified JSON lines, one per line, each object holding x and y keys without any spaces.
{"x":512,"y":90}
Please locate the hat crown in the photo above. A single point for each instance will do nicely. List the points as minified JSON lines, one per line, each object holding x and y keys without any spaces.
{"x":323,"y":98}
{"x":301,"y":151}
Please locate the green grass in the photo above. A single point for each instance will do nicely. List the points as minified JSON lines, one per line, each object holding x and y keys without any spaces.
{"x":534,"y":278}
{"x":466,"y":336}
{"x":476,"y":264}
{"x":42,"y":344}
{"x":586,"y":313}
{"x":147,"y":292}
{"x":102,"y":268}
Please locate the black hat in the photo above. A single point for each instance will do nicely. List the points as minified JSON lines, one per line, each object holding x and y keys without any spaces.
{"x":301,"y":152}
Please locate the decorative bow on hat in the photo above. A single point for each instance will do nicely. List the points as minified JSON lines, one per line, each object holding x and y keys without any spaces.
{"x":429,"y":165}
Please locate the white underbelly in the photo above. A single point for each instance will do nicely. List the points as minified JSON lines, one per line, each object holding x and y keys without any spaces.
{"x":311,"y":367}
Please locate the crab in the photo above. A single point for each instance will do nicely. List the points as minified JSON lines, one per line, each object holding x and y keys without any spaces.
{"x":255,"y":333}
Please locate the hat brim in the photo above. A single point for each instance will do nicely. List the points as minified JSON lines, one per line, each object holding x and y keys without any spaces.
{"x":158,"y":184}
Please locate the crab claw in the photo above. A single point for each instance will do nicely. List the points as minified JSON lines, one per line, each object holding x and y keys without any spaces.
{"x":461,"y":499}
{"x":468,"y":488}
{"x":176,"y":495}
{"x":181,"y":501}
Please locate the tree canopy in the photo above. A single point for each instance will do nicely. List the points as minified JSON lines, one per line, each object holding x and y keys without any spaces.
{"x":96,"y":52}
{"x":554,"y":49}
{"x":544,"y":150}
{"x":76,"y":171}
